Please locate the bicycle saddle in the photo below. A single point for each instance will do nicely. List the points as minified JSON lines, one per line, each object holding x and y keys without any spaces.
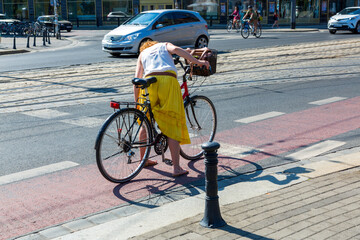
{"x":144,"y":82}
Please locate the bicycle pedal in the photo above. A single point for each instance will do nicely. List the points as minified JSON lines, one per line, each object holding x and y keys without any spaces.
{"x":168,"y":162}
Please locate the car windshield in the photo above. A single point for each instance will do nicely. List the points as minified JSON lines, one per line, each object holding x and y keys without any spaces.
{"x":142,"y":19}
{"x":350,"y":11}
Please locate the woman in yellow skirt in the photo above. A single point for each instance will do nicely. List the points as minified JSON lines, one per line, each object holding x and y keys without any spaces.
{"x":155,"y":60}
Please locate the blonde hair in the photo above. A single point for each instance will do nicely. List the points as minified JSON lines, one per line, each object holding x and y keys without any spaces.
{"x":147,"y":44}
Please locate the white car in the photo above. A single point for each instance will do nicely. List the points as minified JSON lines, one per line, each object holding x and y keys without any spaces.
{"x":181,"y":27}
{"x":347,"y":19}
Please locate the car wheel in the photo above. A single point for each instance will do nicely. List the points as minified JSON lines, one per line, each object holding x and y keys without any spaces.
{"x":357,"y":29}
{"x":201,"y":42}
{"x":115,"y":54}
{"x":142,"y":42}
{"x":332,"y":31}
{"x":68,"y":30}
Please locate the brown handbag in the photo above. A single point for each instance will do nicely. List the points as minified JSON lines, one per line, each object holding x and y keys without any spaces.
{"x":207,"y":54}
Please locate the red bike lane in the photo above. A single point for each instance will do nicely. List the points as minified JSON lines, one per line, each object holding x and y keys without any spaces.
{"x":55,"y":198}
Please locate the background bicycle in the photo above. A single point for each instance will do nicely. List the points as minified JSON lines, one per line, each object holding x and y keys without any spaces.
{"x":248,"y":29}
{"x":119,"y":146}
{"x":231,"y":26}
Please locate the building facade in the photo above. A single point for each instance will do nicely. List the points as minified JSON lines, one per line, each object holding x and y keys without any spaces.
{"x":214,"y":11}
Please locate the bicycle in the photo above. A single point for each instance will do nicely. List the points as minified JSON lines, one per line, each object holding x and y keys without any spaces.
{"x":230,"y":25}
{"x":118,"y":143}
{"x":249,"y":28}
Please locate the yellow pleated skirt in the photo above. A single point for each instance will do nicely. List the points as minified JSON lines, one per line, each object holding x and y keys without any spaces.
{"x":168,"y":107}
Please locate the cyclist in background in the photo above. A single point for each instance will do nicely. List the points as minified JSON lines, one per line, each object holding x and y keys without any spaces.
{"x":236,"y":15}
{"x":252,"y":15}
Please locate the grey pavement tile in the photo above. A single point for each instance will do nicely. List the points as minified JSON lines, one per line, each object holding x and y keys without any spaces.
{"x":318,"y":218}
{"x":319,"y":226}
{"x":78,"y":224}
{"x":281,"y":233}
{"x":54,"y":232}
{"x":281,"y":224}
{"x":325,"y":234}
{"x":127,"y":210}
{"x":191,"y":236}
{"x":102,"y":218}
{"x":296,"y":227}
{"x":175,"y":232}
{"x":34,"y":236}
{"x":341,"y":227}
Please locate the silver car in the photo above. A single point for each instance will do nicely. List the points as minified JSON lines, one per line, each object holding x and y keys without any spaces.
{"x":180,"y":27}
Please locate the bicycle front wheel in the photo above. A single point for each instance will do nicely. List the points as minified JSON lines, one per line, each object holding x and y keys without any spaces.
{"x":119,"y":144}
{"x":201,"y":122}
{"x":245,"y":32}
{"x":229,"y":26}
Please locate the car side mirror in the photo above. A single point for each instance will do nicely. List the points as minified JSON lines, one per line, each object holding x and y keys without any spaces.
{"x":159,"y":26}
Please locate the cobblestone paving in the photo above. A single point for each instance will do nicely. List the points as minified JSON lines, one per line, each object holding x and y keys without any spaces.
{"x":321,"y":208}
{"x":45,"y":88}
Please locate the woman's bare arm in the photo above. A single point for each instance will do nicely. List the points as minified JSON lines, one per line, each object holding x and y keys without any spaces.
{"x":138,"y":74}
{"x":185,"y":54}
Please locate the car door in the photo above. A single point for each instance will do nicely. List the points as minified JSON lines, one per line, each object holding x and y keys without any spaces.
{"x":185,"y":25}
{"x":164,"y":30}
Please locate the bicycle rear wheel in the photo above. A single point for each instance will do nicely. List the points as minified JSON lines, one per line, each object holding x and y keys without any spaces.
{"x":229,"y":26}
{"x":245,"y":32}
{"x":118,"y":145}
{"x":201,"y":122}
{"x":258,"y":32}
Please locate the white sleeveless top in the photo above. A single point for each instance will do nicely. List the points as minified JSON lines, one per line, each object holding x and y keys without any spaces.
{"x":157,"y":59}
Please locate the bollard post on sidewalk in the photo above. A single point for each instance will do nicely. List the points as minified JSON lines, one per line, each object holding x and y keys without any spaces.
{"x":44,"y":37}
{"x":48,"y":36}
{"x":28,"y":41}
{"x":34,"y":44}
{"x":212,"y":216}
{"x":14,"y":41}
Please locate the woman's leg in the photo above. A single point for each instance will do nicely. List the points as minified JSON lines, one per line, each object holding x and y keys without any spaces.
{"x":142,"y":136}
{"x":175,"y":156}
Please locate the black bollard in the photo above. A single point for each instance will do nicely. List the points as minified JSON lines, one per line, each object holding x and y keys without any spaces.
{"x":48,"y":35}
{"x":14,"y":42}
{"x":212,"y":217}
{"x":28,"y":41}
{"x":44,"y":36}
{"x":34,"y":40}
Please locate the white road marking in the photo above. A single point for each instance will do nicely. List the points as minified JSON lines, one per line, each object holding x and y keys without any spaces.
{"x":328,"y":100}
{"x":259,"y":117}
{"x":46,"y":113}
{"x":236,"y":151}
{"x":315,"y":150}
{"x":88,"y":122}
{"x":36,"y":172}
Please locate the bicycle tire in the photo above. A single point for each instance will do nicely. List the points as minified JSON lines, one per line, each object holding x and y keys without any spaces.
{"x":229,"y":27}
{"x":238,"y":27}
{"x":258,"y":32}
{"x":118,"y":148}
{"x":204,"y":114}
{"x":245,"y":32}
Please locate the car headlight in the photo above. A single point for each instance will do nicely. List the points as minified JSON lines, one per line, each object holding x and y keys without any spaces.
{"x":131,"y":37}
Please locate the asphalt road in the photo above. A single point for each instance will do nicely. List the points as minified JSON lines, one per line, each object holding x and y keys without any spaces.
{"x":66,"y":134}
{"x":86,"y":47}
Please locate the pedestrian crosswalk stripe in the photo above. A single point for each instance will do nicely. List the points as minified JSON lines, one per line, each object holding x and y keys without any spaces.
{"x":327,"y":100}
{"x":259,"y":117}
{"x":236,"y":151}
{"x":36,"y":172}
{"x":316,"y":150}
{"x":88,"y":122}
{"x":45,"y":113}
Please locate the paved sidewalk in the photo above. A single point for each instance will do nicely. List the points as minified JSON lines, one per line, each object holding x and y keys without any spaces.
{"x":7,"y":44}
{"x":313,"y":199}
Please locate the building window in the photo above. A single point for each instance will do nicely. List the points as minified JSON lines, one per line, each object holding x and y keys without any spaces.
{"x":44,"y":7}
{"x":16,"y":9}
{"x":123,"y":7}
{"x":207,"y":8}
{"x":81,"y":9}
